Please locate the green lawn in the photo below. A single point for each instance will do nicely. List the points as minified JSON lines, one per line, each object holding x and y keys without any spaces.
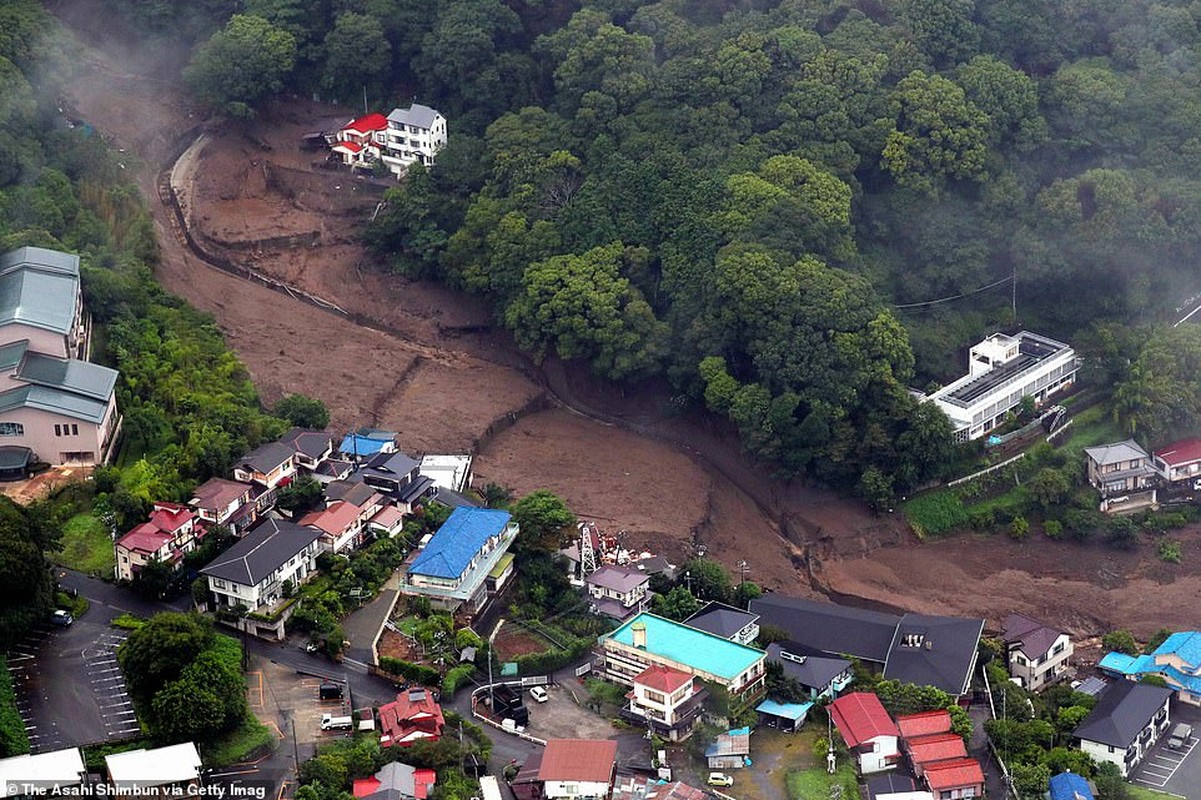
{"x":1143,"y":793}
{"x":86,"y":546}
{"x":239,"y":744}
{"x":815,"y":784}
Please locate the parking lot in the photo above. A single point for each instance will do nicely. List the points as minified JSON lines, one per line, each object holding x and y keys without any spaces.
{"x":1175,"y":771}
{"x":69,"y":687}
{"x":560,"y":717}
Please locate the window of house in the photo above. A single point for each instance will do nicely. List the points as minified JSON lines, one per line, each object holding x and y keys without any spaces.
{"x":58,"y":430}
{"x":1059,"y":648}
{"x":12,"y":429}
{"x":655,"y":697}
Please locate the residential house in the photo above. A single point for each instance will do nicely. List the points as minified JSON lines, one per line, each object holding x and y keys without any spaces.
{"x":1039,"y":655}
{"x":1180,"y":463}
{"x":914,"y":648}
{"x":270,"y":466}
{"x":666,"y":701}
{"x":868,"y":731}
{"x":1124,"y":475}
{"x":366,"y":442}
{"x":166,"y":771}
{"x":730,"y":750}
{"x":618,"y":592}
{"x":501,"y":571}
{"x":727,"y":622}
{"x":218,"y":501}
{"x":395,"y":781}
{"x":1125,"y":724}
{"x":41,"y":302}
{"x":783,"y":716}
{"x":451,"y":569}
{"x":648,"y":639}
{"x":932,"y":749}
{"x":1177,"y":660}
{"x":344,"y":523}
{"x":924,"y":723}
{"x":647,"y":787}
{"x":415,"y":135}
{"x":447,"y":471}
{"x":399,"y":477}
{"x":654,"y":565}
{"x":386,"y":523}
{"x":955,"y":778}
{"x":58,"y":771}
{"x":575,"y":769}
{"x":413,"y":716}
{"x":310,"y":448}
{"x":1070,"y":786}
{"x":1002,"y":370}
{"x":252,"y":573}
{"x":170,"y":532}
{"x":823,"y":677}
{"x":360,"y":142}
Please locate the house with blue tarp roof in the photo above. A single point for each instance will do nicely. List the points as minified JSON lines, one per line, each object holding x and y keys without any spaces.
{"x":1177,"y":661}
{"x":1070,"y":786}
{"x":784,"y":716}
{"x":367,"y":442}
{"x":452,"y":569}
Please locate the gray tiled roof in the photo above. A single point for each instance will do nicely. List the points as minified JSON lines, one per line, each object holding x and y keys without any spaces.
{"x":1035,"y":637}
{"x":721,"y":619}
{"x":39,"y":288}
{"x":310,"y":443}
{"x":266,"y":457}
{"x":1121,"y":713}
{"x":261,"y":552}
{"x":56,"y":401}
{"x":945,"y":656}
{"x":828,"y":627}
{"x":1116,"y":452}
{"x":810,"y":669}
{"x":617,"y":579}
{"x":416,"y":114}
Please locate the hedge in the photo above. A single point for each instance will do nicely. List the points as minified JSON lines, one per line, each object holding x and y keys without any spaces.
{"x":551,"y":660}
{"x":450,"y":683}
{"x":128,"y":622}
{"x":14,"y":741}
{"x":419,"y":673}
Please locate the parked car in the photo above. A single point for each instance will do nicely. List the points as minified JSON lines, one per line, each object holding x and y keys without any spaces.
{"x":1181,"y":734}
{"x":331,"y":723}
{"x":720,"y":779}
{"x":539,"y":694}
{"x":61,"y":618}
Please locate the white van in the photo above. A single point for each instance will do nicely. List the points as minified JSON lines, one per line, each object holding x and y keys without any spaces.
{"x":331,"y":723}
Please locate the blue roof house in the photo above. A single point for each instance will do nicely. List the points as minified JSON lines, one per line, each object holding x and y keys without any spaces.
{"x":1070,"y":786}
{"x":452,"y":568}
{"x":1177,"y":661}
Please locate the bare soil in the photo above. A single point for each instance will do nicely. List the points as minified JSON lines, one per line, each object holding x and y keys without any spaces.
{"x":513,"y":642}
{"x":424,"y":360}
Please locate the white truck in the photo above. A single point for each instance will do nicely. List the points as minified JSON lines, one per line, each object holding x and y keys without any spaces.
{"x":331,"y":723}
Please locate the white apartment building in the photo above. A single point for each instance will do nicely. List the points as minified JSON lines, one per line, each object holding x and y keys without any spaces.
{"x":1002,"y":370}
{"x":1125,"y":724}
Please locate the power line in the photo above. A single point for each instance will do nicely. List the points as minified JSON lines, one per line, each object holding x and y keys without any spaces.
{"x":993,"y":285}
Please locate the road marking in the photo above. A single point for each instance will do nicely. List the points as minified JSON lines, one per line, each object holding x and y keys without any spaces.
{"x":31,"y":727}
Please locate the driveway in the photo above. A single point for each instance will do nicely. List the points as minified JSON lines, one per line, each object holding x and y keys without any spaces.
{"x":1175,"y":771}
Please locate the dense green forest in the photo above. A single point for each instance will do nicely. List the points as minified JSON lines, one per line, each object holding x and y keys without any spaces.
{"x":792,"y":209}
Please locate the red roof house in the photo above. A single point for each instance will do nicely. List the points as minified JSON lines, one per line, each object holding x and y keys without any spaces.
{"x":927,"y":751}
{"x":924,"y":723}
{"x":567,"y":763}
{"x":414,"y":715}
{"x":359,"y":142}
{"x":171,"y":531}
{"x":1179,"y":460}
{"x":956,"y":777}
{"x":867,"y":729}
{"x":367,"y":125}
{"x":340,"y":525}
{"x":395,"y":781}
{"x":663,"y":679}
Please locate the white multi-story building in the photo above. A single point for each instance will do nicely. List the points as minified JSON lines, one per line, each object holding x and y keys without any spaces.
{"x":1002,"y":370}
{"x":252,"y":574}
{"x":415,"y":135}
{"x":1125,"y":724}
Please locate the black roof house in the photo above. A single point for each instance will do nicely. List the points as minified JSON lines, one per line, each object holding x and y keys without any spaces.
{"x":1122,"y":711}
{"x":810,"y":668}
{"x":915,"y":648}
{"x":721,"y":620}
{"x":261,"y":552}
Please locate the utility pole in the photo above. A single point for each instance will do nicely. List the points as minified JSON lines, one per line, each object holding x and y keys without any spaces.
{"x":364,"y":99}
{"x":742,"y":568}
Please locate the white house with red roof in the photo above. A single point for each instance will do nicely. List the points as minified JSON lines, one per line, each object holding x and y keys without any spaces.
{"x":1179,"y":461}
{"x":413,"y":716}
{"x":868,"y":731}
{"x":578,"y":769}
{"x":666,"y":700}
{"x":362,"y":140}
{"x":171,"y":531}
{"x":343,"y":523}
{"x":955,"y":778}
